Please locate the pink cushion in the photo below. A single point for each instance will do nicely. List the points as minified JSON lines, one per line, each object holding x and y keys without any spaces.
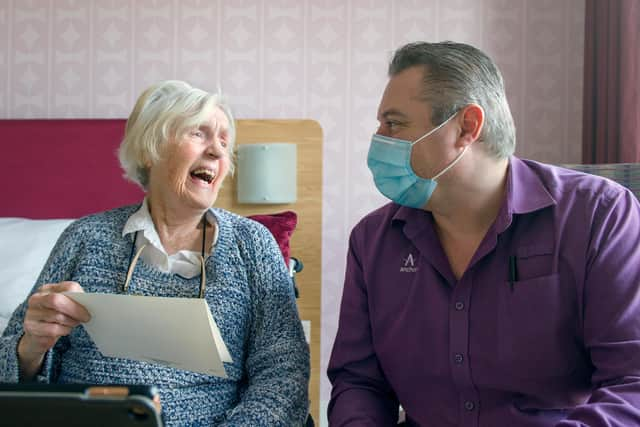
{"x":281,"y":226}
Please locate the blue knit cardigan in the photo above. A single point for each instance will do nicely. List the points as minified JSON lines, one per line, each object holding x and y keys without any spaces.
{"x":251,"y":298}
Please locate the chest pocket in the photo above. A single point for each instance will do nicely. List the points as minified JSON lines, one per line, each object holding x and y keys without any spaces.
{"x":535,"y":338}
{"x":536,"y":318}
{"x":535,"y":261}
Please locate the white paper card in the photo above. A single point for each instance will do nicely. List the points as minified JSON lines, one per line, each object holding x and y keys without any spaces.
{"x":306,"y":327}
{"x":178,"y":332}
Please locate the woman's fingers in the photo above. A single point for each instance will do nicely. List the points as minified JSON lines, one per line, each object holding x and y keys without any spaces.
{"x":40,"y":336}
{"x":51,"y":315}
{"x":66,"y":286}
{"x":57,"y":307}
{"x":46,"y":332}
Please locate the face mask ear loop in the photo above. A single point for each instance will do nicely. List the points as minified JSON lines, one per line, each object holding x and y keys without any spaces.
{"x":452,"y":164}
{"x":435,"y":129}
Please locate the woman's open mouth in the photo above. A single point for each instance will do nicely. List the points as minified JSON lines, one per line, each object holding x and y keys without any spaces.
{"x":206,"y":175}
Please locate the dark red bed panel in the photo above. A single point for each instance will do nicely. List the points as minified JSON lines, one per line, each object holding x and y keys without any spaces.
{"x":62,"y":168}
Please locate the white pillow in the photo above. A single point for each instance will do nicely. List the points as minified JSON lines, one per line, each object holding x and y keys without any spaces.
{"x":25,"y":245}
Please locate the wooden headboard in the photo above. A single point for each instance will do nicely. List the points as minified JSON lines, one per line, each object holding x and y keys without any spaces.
{"x":306,"y":241}
{"x":67,"y":168}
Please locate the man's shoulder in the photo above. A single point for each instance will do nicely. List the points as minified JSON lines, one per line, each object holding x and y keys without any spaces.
{"x":377,"y":223}
{"x":564,"y":183}
{"x":379,"y":216}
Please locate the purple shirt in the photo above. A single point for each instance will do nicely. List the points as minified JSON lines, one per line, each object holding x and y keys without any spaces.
{"x":552,"y":340}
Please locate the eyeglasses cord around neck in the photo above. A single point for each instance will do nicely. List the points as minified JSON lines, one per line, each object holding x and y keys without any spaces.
{"x":133,"y":260}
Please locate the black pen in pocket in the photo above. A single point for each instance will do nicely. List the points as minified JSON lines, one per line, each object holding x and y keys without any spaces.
{"x":513,"y":271}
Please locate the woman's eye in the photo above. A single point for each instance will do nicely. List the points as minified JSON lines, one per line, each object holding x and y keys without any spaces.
{"x":197,"y":133}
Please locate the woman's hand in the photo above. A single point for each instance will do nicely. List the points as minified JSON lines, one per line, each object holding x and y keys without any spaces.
{"x":50,"y":315}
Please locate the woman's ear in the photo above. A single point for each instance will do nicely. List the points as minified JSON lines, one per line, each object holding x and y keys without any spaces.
{"x":146,"y":162}
{"x":148,"y":159}
{"x":472,"y":123}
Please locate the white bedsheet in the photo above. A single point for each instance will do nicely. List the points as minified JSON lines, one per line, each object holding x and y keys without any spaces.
{"x":25,"y":245}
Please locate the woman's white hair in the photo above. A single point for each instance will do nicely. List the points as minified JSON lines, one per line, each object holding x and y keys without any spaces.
{"x":162,"y":112}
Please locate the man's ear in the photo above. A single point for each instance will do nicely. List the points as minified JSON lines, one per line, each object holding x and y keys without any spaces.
{"x":472,"y":123}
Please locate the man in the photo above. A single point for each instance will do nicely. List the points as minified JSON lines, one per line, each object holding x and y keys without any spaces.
{"x":492,"y":291}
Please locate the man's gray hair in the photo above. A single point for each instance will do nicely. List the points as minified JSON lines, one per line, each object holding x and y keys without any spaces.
{"x":456,"y":75}
{"x":164,"y":111}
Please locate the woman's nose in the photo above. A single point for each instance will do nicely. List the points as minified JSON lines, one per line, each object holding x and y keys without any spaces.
{"x":215,"y":148}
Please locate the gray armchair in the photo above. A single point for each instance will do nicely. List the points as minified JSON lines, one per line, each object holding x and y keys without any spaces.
{"x":627,"y":174}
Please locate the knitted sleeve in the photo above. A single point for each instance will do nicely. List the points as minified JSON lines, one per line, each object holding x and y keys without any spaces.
{"x":277,"y":364}
{"x":59,"y":267}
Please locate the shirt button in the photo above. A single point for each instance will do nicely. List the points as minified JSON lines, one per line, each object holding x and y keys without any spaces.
{"x":468,"y":405}
{"x":459,"y":306}
{"x":458,"y":358}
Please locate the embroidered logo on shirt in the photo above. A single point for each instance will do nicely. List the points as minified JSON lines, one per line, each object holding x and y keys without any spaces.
{"x":409,"y":265}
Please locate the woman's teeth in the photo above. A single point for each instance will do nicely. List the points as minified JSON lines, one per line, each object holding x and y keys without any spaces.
{"x":204,"y":174}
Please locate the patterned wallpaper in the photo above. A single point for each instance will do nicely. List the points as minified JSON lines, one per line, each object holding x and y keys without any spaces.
{"x":319,"y":59}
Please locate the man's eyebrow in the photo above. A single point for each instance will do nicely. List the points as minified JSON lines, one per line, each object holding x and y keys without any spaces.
{"x":393,"y":112}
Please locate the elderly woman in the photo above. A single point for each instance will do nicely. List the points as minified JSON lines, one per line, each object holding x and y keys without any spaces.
{"x":178,"y":146}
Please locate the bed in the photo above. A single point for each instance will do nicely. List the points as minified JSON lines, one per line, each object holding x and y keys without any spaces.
{"x":53,"y":171}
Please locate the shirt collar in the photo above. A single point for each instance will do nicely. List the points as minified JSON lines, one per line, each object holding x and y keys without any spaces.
{"x":525,"y":190}
{"x":525,"y":193}
{"x":415,"y":220}
{"x":141,"y":221}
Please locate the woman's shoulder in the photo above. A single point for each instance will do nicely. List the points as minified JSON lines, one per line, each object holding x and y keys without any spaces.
{"x":237,"y":228}
{"x":237,"y":222}
{"x":112,"y":219}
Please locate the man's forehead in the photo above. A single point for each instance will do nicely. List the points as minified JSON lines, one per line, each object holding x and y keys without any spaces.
{"x":401,"y":106}
{"x":402,"y":97}
{"x":408,"y":80}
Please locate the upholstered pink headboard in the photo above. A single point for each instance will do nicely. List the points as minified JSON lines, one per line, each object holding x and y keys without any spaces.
{"x":46,"y":173}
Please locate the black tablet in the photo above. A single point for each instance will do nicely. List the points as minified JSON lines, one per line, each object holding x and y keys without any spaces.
{"x":70,"y":405}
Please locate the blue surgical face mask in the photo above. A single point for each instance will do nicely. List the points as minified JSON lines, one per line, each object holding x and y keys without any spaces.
{"x":389,"y":160}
